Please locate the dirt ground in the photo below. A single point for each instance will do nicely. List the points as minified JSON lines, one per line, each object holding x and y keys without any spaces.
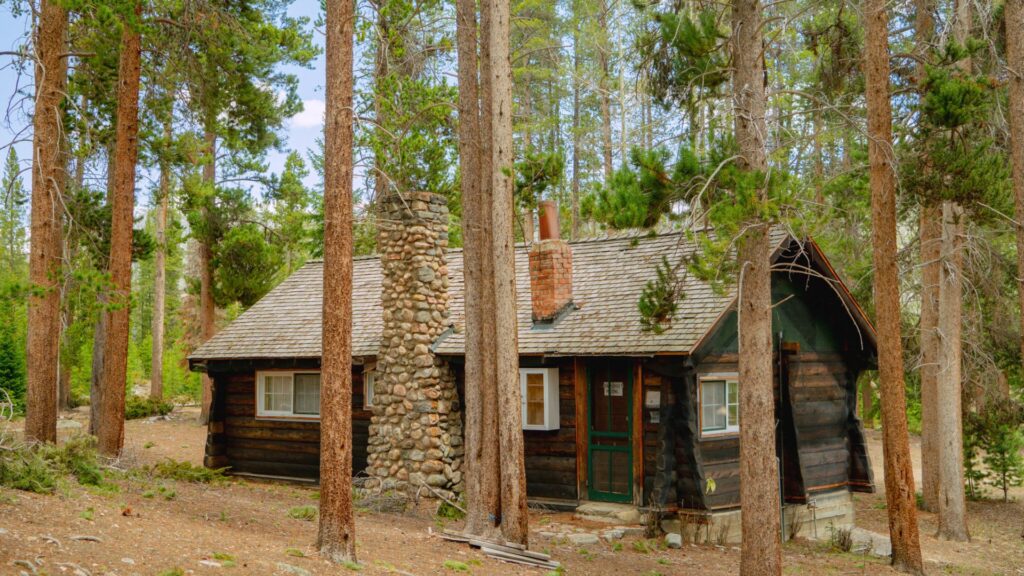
{"x":195,"y":528}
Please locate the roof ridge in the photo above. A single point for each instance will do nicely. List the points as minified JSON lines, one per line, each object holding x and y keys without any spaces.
{"x":613,"y":236}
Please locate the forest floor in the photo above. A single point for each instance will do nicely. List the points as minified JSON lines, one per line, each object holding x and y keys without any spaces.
{"x":151,"y":527}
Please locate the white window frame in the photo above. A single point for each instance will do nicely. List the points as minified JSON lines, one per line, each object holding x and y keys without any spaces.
{"x":369,"y":378}
{"x":731,"y":428}
{"x":263,"y":413}
{"x":551,"y":403}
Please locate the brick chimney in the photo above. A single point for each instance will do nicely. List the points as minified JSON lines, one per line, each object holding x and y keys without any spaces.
{"x":550,"y":267}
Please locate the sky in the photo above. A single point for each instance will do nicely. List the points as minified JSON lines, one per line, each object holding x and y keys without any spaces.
{"x":300,"y":132}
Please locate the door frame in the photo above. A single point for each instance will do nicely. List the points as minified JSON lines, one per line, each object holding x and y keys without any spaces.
{"x":592,"y":493}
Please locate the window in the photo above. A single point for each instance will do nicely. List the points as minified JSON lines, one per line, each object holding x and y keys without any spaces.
{"x":288,"y":394}
{"x":369,"y":378}
{"x":539,"y":388}
{"x":719,"y":405}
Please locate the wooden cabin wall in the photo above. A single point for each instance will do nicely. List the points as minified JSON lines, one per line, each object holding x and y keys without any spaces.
{"x":822,"y":390}
{"x":718,"y":456}
{"x":277,"y":447}
{"x":550,"y":455}
{"x":655,"y":440}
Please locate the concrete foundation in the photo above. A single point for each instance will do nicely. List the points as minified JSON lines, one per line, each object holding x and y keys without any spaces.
{"x":824,"y":513}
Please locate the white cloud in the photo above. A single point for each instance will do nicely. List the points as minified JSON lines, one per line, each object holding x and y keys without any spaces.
{"x":312,"y":115}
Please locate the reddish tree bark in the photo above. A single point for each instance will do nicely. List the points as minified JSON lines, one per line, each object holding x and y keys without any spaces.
{"x":899,"y":477}
{"x":336,"y":538}
{"x":110,"y":427}
{"x":47,"y":209}
{"x":1014,"y":15}
{"x":207,"y":308}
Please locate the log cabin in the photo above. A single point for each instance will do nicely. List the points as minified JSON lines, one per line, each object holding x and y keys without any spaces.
{"x":612,"y":413}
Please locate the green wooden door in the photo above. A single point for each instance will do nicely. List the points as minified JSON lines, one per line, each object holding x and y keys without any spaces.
{"x":610,"y":425}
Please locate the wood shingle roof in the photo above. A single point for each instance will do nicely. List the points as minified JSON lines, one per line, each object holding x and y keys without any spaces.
{"x":609,"y":275}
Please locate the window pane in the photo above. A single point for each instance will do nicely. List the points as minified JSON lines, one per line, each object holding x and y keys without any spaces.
{"x":713,"y":405}
{"x":535,"y":399}
{"x":307,"y":393}
{"x":277,"y":393}
{"x":368,"y":380}
{"x":734,"y":404}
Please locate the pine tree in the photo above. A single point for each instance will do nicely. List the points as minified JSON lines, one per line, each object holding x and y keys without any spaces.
{"x":336,"y":537}
{"x":12,"y":346}
{"x":12,"y":215}
{"x":899,"y":478}
{"x":110,"y":437}
{"x":48,"y":178}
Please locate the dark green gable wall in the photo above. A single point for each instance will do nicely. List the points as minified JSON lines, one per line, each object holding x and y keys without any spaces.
{"x":824,"y":446}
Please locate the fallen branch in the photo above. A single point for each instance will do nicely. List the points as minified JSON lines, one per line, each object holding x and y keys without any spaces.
{"x":86,"y":538}
{"x":440,"y":496}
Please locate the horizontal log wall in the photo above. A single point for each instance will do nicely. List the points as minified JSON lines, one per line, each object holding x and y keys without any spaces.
{"x":274,"y":447}
{"x":551,"y":454}
{"x":819,"y":391}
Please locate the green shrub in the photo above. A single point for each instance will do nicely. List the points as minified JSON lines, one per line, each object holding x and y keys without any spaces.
{"x":171,"y":469}
{"x":143,"y":407}
{"x":994,"y":431}
{"x":38,"y":468}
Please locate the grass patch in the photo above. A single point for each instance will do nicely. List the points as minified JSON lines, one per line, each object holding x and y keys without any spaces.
{"x":149,"y":445}
{"x":642,"y":546}
{"x":171,"y":469}
{"x":226,"y":560}
{"x":456,"y":566}
{"x":87,"y":514}
{"x":162,"y":491}
{"x":173,"y":572}
{"x":294,"y":553}
{"x":307,"y":513}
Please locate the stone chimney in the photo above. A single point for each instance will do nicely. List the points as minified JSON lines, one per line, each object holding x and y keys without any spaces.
{"x":416,"y":431}
{"x":550,"y":267}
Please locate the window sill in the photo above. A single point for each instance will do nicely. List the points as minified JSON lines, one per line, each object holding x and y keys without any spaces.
{"x":726,"y":435}
{"x":284,"y":418}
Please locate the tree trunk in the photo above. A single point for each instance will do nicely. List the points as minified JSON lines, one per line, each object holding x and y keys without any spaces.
{"x":65,"y":388}
{"x":514,"y":518}
{"x":952,"y":505}
{"x":605,"y":92}
{"x":529,"y":230}
{"x":46,"y":212}
{"x":931,"y":244}
{"x":99,"y":344}
{"x":1014,"y":15}
{"x":576,"y":60}
{"x":483,"y":500}
{"x":207,"y":310}
{"x":336,"y":539}
{"x":115,"y":357}
{"x":899,"y":476}
{"x":930,"y":234}
{"x":156,"y":378}
{"x":949,"y":433}
{"x":867,"y":403}
{"x":759,"y":472}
